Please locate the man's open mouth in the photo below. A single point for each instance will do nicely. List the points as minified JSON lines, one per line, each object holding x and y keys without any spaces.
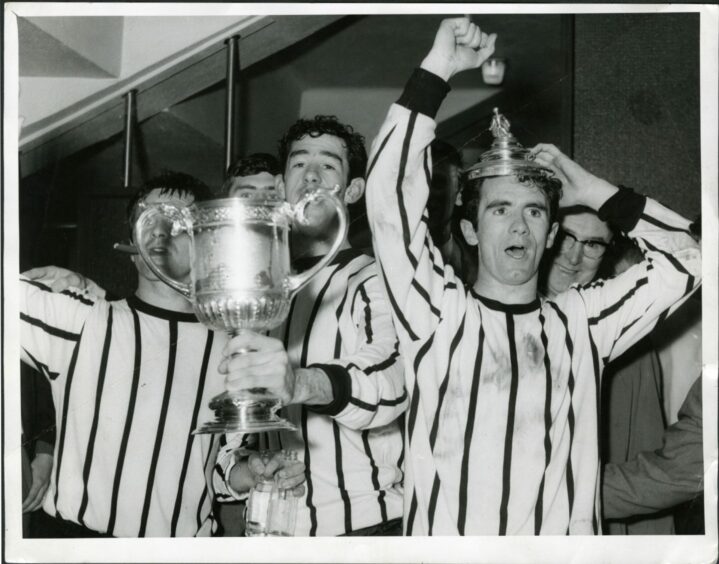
{"x":517,"y":252}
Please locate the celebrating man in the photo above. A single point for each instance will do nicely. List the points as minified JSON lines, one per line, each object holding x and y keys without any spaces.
{"x":130,"y":379}
{"x":502,"y":426}
{"x":337,"y":365}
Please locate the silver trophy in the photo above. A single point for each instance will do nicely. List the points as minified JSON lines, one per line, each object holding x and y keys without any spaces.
{"x":240,"y":277}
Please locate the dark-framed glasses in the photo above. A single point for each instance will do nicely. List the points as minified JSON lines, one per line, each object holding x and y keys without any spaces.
{"x":592,"y":248}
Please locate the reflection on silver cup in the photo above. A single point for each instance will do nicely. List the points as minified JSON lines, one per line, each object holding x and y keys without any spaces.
{"x":240,"y":278}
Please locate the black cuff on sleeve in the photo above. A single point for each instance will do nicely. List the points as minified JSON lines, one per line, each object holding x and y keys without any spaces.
{"x":424,"y":93}
{"x":623,"y":210}
{"x":341,"y":389}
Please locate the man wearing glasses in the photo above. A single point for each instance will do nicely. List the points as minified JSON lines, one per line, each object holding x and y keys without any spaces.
{"x":582,"y":241}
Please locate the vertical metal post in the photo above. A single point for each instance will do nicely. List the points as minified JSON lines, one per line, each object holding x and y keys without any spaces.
{"x":232,"y":68}
{"x":130,"y":98}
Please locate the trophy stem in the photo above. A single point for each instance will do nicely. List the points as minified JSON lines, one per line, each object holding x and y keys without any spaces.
{"x":235,"y":414}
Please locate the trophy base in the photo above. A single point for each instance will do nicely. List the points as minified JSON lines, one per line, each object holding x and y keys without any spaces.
{"x":233,"y":415}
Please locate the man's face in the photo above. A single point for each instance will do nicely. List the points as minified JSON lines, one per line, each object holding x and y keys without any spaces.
{"x":170,"y":254}
{"x":259,"y":181}
{"x":316,"y":162}
{"x":572,"y":266}
{"x":513,"y":231}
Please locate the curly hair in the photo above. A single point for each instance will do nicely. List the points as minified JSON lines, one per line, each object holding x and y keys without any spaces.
{"x":168,"y":182}
{"x":550,"y":186}
{"x":327,"y":125}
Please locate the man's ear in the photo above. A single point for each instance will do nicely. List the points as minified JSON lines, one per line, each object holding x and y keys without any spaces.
{"x":552,"y":235}
{"x":354,"y":190}
{"x":470,"y":235}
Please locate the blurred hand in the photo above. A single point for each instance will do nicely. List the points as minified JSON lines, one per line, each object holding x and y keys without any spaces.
{"x":459,"y":45}
{"x":41,"y":467}
{"x":59,"y":279}
{"x":288,"y":474}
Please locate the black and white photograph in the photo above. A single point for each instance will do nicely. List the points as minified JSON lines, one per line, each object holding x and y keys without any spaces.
{"x":318,"y":282}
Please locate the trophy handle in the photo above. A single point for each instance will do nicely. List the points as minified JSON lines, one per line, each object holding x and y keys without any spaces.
{"x":296,"y":281}
{"x":179,"y":224}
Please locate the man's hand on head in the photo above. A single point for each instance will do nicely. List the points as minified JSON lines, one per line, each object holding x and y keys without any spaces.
{"x":579,"y":186}
{"x":59,"y":279}
{"x":459,"y":45}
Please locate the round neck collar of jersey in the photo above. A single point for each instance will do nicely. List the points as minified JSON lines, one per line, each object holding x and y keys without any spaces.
{"x":508,"y":308}
{"x":159,"y":312}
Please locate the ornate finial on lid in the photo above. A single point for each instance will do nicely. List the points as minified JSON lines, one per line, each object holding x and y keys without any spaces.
{"x":500,"y":126}
{"x":506,"y":156}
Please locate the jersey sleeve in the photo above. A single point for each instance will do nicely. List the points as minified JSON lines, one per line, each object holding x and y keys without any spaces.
{"x":398,"y":180}
{"x":50,"y":325}
{"x":623,"y":309}
{"x":368,"y":384}
{"x":233,"y":448}
{"x":660,"y":479}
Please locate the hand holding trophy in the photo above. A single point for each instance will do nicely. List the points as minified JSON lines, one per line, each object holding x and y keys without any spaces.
{"x":239,"y":277}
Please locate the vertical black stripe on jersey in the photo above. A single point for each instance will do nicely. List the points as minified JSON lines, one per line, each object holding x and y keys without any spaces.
{"x":379,"y":151}
{"x":412,"y":513}
{"x":137,"y":365}
{"x":367,"y":314}
{"x":468,"y":431}
{"x":414,"y":402}
{"x":208,"y":462}
{"x":95,"y":418}
{"x":341,"y":477}
{"x":63,"y":420}
{"x":396,"y":309}
{"x":313,"y":315}
{"x":375,"y":476}
{"x":597,"y":378}
{"x":172,"y":356}
{"x":509,"y":434}
{"x":288,"y":324}
{"x":539,"y":506}
{"x":433,"y":503}
{"x":308,"y":475}
{"x":406,"y":236}
{"x":445,"y":383}
{"x":570,"y":415}
{"x":191,"y":436}
{"x":402,"y":422}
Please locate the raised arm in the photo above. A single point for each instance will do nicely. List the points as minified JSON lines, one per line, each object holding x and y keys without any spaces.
{"x":624,"y":309}
{"x":398,"y":180}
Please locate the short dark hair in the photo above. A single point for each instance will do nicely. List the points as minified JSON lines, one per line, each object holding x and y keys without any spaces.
{"x":255,"y":163}
{"x":168,"y":182}
{"x":327,"y":125}
{"x":550,"y":186}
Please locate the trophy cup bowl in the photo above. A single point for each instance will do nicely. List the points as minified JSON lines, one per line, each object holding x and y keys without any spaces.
{"x":240,"y":277}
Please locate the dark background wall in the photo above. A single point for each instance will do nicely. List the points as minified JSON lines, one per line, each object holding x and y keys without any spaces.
{"x":636,"y":103}
{"x":620,"y":92}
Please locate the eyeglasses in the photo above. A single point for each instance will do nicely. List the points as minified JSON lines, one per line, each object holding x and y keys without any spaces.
{"x":592,"y":249}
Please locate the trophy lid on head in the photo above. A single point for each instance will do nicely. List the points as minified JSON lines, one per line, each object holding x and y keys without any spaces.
{"x":506,"y":156}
